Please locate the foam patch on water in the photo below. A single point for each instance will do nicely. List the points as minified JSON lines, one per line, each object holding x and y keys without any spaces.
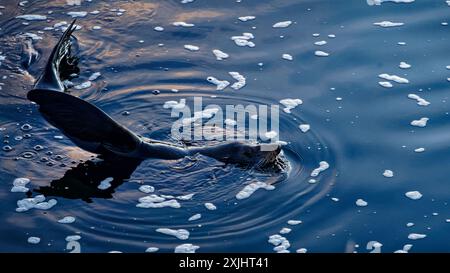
{"x":73,"y":2}
{"x":207,"y":113}
{"x":248,"y":190}
{"x":72,"y":238}
{"x":285,"y":230}
{"x":323,"y":165}
{"x":419,"y":150}
{"x":105,"y":184}
{"x":282,"y":24}
{"x":186,"y":197}
{"x":244,"y":39}
{"x":191,"y":47}
{"x":304,"y":127}
{"x":361,"y":203}
{"x":416,"y":236}
{"x":406,"y":249}
{"x":388,"y":173}
{"x":32,"y":17}
{"x":186,"y":248}
{"x":32,"y":36}
{"x":388,"y":24}
{"x":413,"y":195}
{"x":290,"y":104}
{"x":287,"y":57}
{"x":404,"y":65}
{"x":220,"y":84}
{"x":182,"y":24}
{"x":320,"y":53}
{"x":301,"y":250}
{"x":393,"y":78}
{"x":181,"y":234}
{"x":246,"y":18}
{"x":19,"y":185}
{"x":320,"y":43}
{"x":33,"y":240}
{"x":146,"y":189}
{"x":420,"y":122}
{"x":241,"y":81}
{"x":385,"y":84}
{"x":294,"y":222}
{"x":174,"y":104}
{"x":281,"y":243}
{"x":195,"y":217}
{"x":220,"y":55}
{"x":94,"y":76}
{"x":151,"y":249}
{"x":420,"y":101}
{"x":379,"y":2}
{"x":67,"y":220}
{"x":155,"y":201}
{"x":77,"y":14}
{"x":83,"y":85}
{"x":37,"y":202}
{"x":210,"y":206}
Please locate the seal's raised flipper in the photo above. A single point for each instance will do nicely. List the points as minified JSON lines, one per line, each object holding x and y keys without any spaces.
{"x":85,"y":124}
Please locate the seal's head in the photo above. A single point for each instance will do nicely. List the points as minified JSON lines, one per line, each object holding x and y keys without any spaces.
{"x":259,"y":156}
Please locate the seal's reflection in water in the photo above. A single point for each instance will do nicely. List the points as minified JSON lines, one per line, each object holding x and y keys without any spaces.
{"x":82,"y":181}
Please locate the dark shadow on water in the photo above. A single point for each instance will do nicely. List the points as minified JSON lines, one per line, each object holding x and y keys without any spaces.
{"x":82,"y":181}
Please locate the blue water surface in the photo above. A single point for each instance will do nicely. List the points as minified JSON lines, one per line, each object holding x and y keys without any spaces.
{"x":359,"y":127}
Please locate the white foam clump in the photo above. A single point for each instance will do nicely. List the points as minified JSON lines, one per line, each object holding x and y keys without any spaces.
{"x":416,"y":236}
{"x":182,"y":24}
{"x":155,"y":202}
{"x":281,"y":243}
{"x":105,"y":184}
{"x":413,"y":195}
{"x":77,"y":14}
{"x":420,"y":122}
{"x":323,"y":165}
{"x":388,"y":24}
{"x":320,"y":43}
{"x":388,"y":173}
{"x":72,"y":238}
{"x":379,"y":2}
{"x":191,"y":47}
{"x":282,"y":24}
{"x":220,"y":84}
{"x":94,"y":76}
{"x":244,"y":39}
{"x":67,"y":220}
{"x":207,"y":113}
{"x":37,"y":202}
{"x":174,"y":104}
{"x":73,"y":2}
{"x":404,"y":65}
{"x":248,"y":190}
{"x":181,"y":234}
{"x":186,"y":1}
{"x":186,"y":196}
{"x":320,"y":53}
{"x":301,"y":250}
{"x":385,"y":84}
{"x":158,"y":28}
{"x":419,"y":150}
{"x":420,"y":101}
{"x":290,"y":104}
{"x":220,"y":55}
{"x":33,"y":240}
{"x":195,"y":217}
{"x":151,"y":249}
{"x":304,"y":127}
{"x":32,"y":17}
{"x":361,"y":203}
{"x":186,"y":248}
{"x":83,"y":85}
{"x":285,"y":230}
{"x":146,"y":189}
{"x":287,"y":57}
{"x":19,"y":185}
{"x":294,"y":222}
{"x":210,"y":206}
{"x":246,"y":18}
{"x":241,"y":81}
{"x":393,"y":78}
{"x":405,"y":249}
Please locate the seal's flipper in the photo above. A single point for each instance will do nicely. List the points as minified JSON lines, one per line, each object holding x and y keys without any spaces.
{"x":60,"y":64}
{"x":85,"y":124}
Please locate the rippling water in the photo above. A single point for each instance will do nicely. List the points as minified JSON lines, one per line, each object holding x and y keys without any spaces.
{"x":358,"y":126}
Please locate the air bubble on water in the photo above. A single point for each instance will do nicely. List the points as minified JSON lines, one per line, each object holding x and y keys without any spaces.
{"x":26,"y":127}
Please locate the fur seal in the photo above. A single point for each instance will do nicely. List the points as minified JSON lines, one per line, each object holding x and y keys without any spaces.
{"x":95,"y":131}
